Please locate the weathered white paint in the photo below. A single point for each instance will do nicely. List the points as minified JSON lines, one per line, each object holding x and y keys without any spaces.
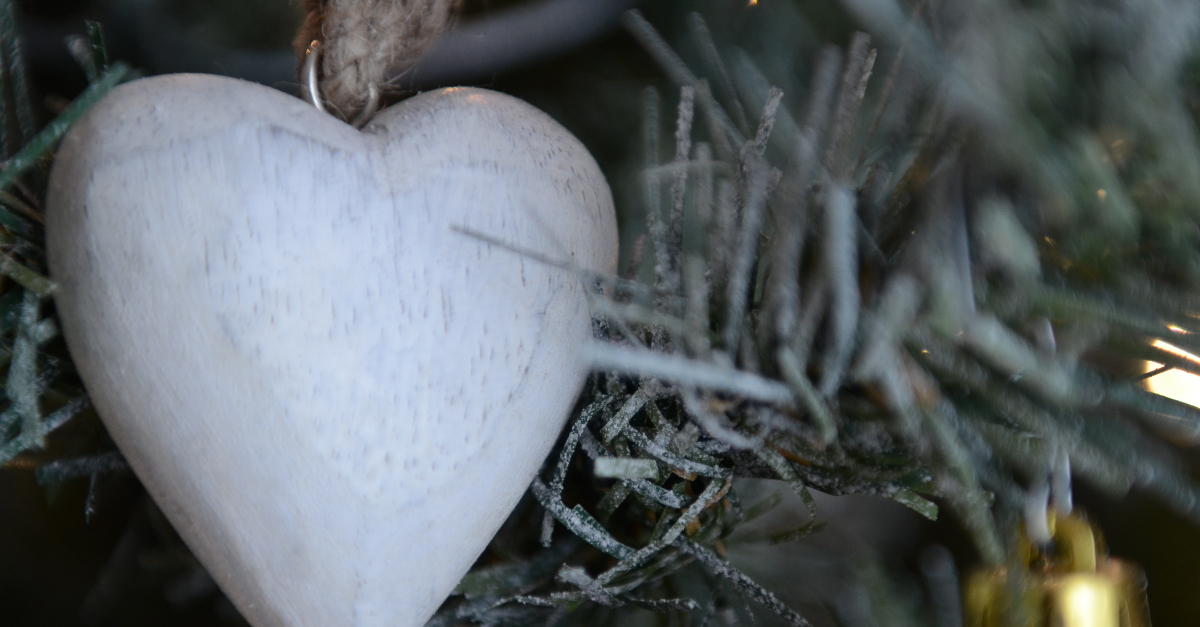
{"x":335,"y":397}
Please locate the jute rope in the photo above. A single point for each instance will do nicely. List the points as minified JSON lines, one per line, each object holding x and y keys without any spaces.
{"x":362,"y":40}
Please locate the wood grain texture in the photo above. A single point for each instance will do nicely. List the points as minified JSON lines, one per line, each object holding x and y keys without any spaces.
{"x":334,"y":396}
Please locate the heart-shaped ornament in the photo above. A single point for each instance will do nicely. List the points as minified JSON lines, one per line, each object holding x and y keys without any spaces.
{"x":334,"y":394}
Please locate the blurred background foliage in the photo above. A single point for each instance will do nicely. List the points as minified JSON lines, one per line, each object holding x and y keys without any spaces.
{"x":1082,"y":108}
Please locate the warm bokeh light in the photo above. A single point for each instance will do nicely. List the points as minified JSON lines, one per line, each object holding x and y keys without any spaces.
{"x":1088,"y":600}
{"x":1177,"y":384}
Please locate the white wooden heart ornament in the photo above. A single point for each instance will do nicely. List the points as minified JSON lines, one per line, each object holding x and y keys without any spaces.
{"x":334,"y":395}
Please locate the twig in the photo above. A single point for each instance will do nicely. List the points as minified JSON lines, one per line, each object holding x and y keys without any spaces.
{"x":678,"y":72}
{"x":840,"y":264}
{"x":683,"y":149}
{"x":33,"y":150}
{"x":703,"y":38}
{"x":747,"y":585}
{"x":684,"y":371}
{"x":889,"y":86}
{"x":744,"y":257}
{"x":781,"y":298}
{"x":15,"y":73}
{"x":858,"y":69}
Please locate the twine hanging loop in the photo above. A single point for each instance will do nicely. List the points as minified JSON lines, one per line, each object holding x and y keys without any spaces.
{"x":363,"y":43}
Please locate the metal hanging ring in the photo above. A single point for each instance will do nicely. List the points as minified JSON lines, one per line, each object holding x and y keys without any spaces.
{"x":313,"y":87}
{"x":371,"y":107}
{"x":313,"y":91}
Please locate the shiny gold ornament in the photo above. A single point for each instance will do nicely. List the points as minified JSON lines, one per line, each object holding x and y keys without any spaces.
{"x":1069,"y":583}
